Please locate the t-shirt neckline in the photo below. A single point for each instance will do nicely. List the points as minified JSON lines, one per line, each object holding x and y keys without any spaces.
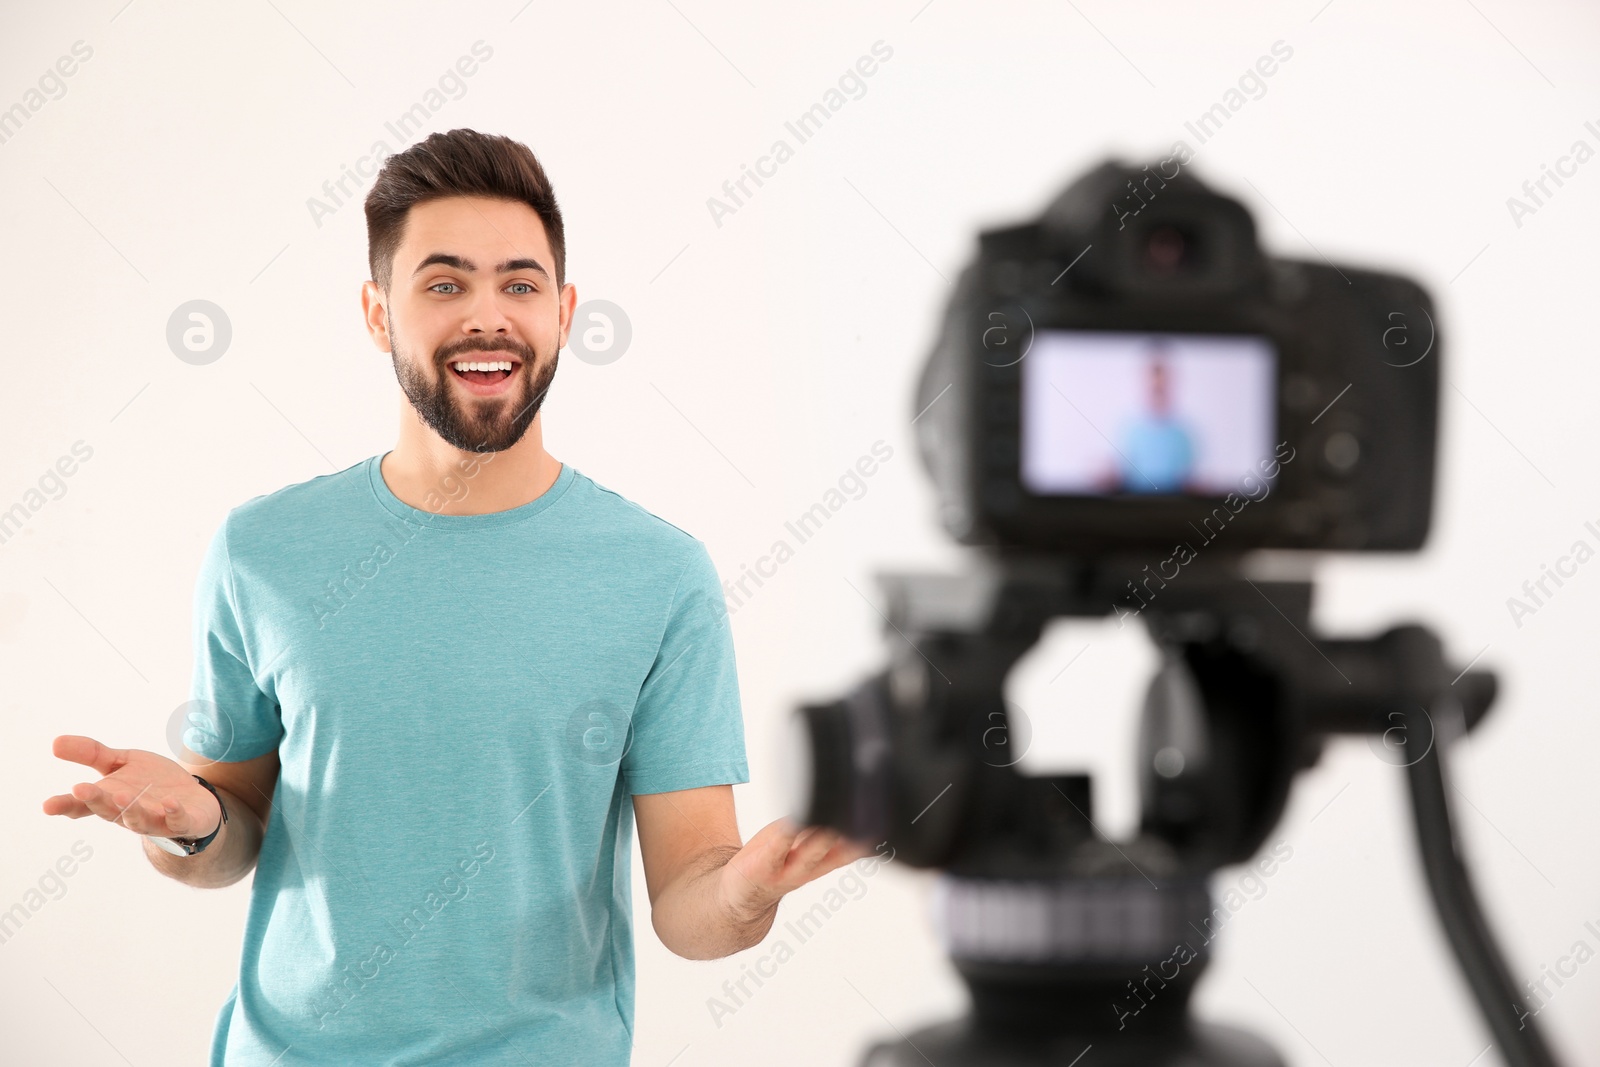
{"x":420,"y":517}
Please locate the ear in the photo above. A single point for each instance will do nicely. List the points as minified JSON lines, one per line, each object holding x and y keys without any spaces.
{"x":569,"y":304}
{"x":374,"y":305}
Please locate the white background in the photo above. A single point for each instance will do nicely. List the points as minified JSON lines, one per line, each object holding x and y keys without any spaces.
{"x":768,"y":354}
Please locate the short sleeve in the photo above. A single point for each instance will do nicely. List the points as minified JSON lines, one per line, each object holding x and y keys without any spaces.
{"x":230,"y":718}
{"x":688,"y":727}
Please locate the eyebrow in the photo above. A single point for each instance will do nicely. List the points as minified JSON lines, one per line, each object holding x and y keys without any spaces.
{"x":462,"y":264}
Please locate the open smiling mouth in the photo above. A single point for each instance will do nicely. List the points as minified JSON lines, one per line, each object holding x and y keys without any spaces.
{"x":485,"y":377}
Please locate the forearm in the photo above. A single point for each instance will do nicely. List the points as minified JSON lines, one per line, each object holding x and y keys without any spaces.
{"x":692,"y":918}
{"x":229,"y":857}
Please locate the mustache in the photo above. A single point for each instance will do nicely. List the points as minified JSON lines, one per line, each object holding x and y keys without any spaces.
{"x":522,"y":352}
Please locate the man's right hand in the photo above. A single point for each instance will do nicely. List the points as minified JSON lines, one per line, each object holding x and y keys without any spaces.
{"x":143,"y":791}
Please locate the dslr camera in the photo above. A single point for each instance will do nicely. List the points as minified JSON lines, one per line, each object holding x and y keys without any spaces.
{"x":1128,"y":400}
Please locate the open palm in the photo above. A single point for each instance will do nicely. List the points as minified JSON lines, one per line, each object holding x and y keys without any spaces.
{"x":144,"y":791}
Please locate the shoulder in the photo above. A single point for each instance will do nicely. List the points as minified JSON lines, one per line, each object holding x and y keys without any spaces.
{"x":628,"y":520}
{"x":635,"y":547}
{"x":270,"y":518}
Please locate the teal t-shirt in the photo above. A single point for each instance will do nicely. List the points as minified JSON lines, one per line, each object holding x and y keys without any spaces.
{"x":1157,"y":453}
{"x":462,"y":705}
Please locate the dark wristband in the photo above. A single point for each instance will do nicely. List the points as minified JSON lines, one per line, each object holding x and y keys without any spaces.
{"x":199,"y":845}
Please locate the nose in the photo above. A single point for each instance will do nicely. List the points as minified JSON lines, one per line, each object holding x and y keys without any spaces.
{"x":485,"y":317}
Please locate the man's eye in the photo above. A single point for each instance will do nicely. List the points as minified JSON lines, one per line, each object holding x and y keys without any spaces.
{"x":527,"y":289}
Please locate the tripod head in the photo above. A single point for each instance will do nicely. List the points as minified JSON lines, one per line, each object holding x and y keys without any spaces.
{"x":1243,"y":700}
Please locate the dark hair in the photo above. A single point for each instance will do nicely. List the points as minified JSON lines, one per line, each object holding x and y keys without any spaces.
{"x":458,"y":163}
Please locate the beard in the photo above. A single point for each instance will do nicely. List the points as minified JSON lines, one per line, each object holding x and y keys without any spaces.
{"x":464,"y":421}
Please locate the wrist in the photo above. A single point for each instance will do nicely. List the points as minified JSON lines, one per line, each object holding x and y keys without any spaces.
{"x":193,"y":846}
{"x":744,"y":905}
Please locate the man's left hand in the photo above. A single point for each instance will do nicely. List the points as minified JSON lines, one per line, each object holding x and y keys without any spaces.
{"x":782,"y":857}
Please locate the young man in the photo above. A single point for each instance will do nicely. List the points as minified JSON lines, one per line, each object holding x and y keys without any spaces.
{"x":428,"y":683}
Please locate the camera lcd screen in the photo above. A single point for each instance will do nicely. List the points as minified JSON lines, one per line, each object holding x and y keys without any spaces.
{"x":1123,"y":413}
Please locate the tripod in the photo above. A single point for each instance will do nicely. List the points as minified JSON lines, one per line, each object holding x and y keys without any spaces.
{"x":1076,"y":948}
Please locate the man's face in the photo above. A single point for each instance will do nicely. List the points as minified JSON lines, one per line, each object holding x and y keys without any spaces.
{"x":1159,"y":398}
{"x":474,"y":282}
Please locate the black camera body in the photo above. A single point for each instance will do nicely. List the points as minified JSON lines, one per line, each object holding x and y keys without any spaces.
{"x":1315,"y":385}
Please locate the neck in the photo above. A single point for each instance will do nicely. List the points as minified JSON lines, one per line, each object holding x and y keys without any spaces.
{"x":431,"y":475}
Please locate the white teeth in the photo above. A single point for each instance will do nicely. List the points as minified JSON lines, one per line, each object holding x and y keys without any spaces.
{"x":465,"y":365}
